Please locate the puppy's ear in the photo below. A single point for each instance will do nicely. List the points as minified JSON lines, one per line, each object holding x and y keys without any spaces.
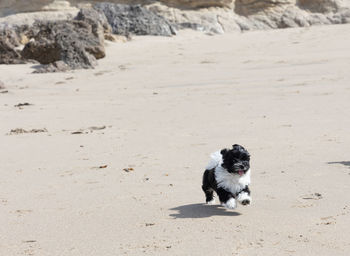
{"x":223,"y":151}
{"x":227,"y":158}
{"x":224,"y":154}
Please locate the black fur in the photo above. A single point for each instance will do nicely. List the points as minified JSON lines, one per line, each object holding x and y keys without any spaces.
{"x":247,"y":190}
{"x":209,"y":184}
{"x":235,"y":161}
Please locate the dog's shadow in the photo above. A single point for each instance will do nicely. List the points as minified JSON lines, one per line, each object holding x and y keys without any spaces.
{"x":201,"y":211}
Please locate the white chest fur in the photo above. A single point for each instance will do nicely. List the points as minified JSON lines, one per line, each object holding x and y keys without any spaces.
{"x":231,"y":182}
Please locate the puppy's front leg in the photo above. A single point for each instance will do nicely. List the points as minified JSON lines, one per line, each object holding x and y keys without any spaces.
{"x":226,"y":198}
{"x":244,"y":196}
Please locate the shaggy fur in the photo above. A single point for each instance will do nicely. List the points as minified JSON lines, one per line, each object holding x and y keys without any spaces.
{"x":228,"y":174}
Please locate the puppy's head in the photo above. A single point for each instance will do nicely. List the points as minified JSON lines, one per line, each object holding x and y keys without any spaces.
{"x":236,"y":160}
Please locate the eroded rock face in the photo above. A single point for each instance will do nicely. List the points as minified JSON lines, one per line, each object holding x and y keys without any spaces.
{"x":248,"y":7}
{"x":99,"y":26}
{"x":8,"y":7}
{"x":70,"y":42}
{"x":258,"y":15}
{"x":9,"y":53}
{"x":134,"y":19}
{"x":199,"y":3}
{"x":94,"y":17}
{"x":213,"y":16}
{"x":322,"y":6}
{"x":242,"y":7}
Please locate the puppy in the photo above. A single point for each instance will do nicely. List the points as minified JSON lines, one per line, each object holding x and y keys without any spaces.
{"x":228,"y":174}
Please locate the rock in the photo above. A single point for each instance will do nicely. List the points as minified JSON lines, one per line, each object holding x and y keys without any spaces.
{"x":134,"y":19}
{"x":244,"y":23}
{"x":117,"y":38}
{"x":217,"y":20}
{"x":293,"y":17}
{"x":74,"y":43}
{"x":257,"y":15}
{"x":199,"y":3}
{"x":321,"y":6}
{"x":162,"y":17}
{"x":249,"y":7}
{"x":57,"y":66}
{"x":318,"y":19}
{"x":204,"y":21}
{"x":97,"y":20}
{"x":9,"y":41}
{"x":8,"y":7}
{"x":345,"y":15}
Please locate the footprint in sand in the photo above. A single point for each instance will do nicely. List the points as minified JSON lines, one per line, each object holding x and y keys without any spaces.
{"x":305,"y":203}
{"x":31,"y":246}
{"x":207,"y":62}
{"x":3,"y":88}
{"x":123,"y":67}
{"x":330,"y":220}
{"x":21,"y":213}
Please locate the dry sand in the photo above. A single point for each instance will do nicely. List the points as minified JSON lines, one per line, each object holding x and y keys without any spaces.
{"x":166,"y":104}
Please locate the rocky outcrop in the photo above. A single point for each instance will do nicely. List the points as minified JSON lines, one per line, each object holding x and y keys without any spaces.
{"x":300,"y":13}
{"x":64,"y":40}
{"x":77,"y":43}
{"x":8,"y":7}
{"x":211,"y":16}
{"x":70,"y":44}
{"x":134,"y":19}
{"x":258,"y":15}
{"x":58,"y":45}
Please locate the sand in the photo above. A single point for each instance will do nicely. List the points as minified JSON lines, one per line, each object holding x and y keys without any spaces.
{"x":116,"y":162}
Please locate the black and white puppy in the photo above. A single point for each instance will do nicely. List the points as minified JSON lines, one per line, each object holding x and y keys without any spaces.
{"x":228,"y":174}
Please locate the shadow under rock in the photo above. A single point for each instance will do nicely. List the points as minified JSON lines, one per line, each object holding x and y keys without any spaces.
{"x":346,"y":163}
{"x":201,"y":211}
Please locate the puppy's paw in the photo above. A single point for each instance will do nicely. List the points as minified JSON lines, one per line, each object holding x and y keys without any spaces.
{"x":211,"y":202}
{"x":230,"y":204}
{"x":244,"y":198}
{"x":245,"y":202}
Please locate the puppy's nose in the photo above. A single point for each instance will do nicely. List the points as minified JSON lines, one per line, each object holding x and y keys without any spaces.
{"x":241,"y":166}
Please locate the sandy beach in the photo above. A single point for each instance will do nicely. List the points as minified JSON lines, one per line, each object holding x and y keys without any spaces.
{"x":115,"y":161}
